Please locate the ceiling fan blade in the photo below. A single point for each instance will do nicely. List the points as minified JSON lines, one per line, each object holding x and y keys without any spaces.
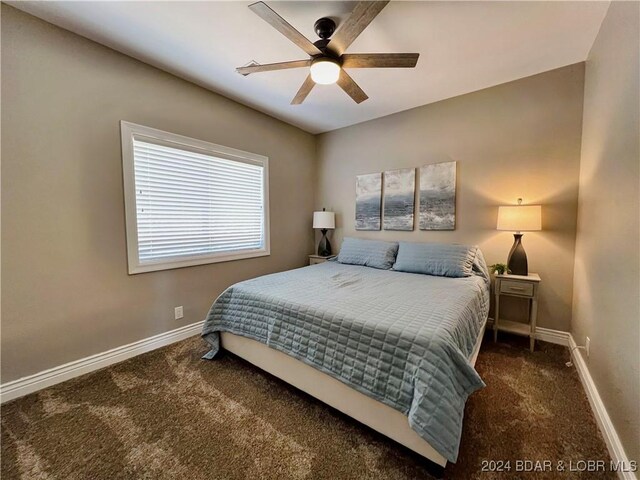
{"x":304,"y":91}
{"x":379,"y":60}
{"x":351,"y":87}
{"x":276,"y":21}
{"x":249,"y":69}
{"x":360,"y":18}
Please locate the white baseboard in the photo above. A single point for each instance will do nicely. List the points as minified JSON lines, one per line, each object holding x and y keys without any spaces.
{"x":32,"y":383}
{"x":616,"y":450}
{"x":38,"y":381}
{"x":609,"y":433}
{"x":553,"y":336}
{"x":53,"y":376}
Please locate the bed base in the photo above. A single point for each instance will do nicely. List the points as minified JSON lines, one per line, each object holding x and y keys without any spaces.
{"x":380,"y":417}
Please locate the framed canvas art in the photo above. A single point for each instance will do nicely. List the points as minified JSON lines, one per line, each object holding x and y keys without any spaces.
{"x":368,"y":201}
{"x":438,"y":196}
{"x":399,"y":199}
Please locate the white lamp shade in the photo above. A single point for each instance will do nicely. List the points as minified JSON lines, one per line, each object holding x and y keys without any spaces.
{"x":324,"y":220}
{"x":520,"y":218}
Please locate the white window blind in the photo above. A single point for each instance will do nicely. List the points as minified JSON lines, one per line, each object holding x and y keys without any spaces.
{"x":194,"y":204}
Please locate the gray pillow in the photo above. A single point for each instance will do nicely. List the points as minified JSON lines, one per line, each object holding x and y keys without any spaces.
{"x":440,"y":259}
{"x":370,"y":253}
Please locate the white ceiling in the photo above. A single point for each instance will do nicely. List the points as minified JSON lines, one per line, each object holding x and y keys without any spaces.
{"x":463,"y":46}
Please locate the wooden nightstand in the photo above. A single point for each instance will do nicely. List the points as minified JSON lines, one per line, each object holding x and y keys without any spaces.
{"x":316,"y":259}
{"x":523,"y":287}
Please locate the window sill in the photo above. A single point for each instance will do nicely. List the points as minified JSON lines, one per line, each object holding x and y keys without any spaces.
{"x":194,"y":261}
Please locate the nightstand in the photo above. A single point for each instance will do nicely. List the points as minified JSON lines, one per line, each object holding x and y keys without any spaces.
{"x":316,"y":259}
{"x":522,"y":286}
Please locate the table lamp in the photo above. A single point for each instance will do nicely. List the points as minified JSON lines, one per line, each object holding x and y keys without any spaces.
{"x":519,"y":218}
{"x":324,"y":221}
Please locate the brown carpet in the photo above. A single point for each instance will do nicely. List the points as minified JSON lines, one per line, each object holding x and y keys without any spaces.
{"x":168,"y":414}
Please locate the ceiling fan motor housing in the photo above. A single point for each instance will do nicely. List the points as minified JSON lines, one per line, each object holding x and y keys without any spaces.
{"x":324,"y":27}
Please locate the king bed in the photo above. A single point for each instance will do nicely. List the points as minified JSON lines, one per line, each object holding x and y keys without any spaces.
{"x":388,"y":334}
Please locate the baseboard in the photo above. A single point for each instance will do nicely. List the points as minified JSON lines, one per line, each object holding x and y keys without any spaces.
{"x":545,"y":334}
{"x":53,"y":376}
{"x":32,"y":383}
{"x":616,"y":450}
{"x":553,"y":336}
{"x":609,"y":433}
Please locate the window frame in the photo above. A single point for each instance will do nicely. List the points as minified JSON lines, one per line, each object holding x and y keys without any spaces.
{"x":128,"y":132}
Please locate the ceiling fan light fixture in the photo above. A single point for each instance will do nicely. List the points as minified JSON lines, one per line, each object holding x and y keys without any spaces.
{"x":325,"y":71}
{"x":327,"y":56}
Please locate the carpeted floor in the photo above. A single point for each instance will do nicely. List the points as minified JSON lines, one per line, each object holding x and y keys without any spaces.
{"x":168,"y":414}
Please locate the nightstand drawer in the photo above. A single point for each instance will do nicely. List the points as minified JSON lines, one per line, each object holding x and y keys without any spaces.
{"x":516,"y":288}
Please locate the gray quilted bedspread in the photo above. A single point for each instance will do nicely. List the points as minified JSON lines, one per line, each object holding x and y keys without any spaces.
{"x":401,"y":338}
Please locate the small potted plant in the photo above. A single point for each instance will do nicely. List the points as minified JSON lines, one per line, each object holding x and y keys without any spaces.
{"x":499,"y":268}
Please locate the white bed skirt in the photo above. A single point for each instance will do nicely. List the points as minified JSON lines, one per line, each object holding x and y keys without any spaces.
{"x":377,"y":415}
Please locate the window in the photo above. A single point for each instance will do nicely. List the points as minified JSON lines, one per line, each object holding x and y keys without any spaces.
{"x":189,"y":202}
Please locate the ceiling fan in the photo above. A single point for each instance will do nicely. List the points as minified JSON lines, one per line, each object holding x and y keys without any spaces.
{"x":327,"y":58}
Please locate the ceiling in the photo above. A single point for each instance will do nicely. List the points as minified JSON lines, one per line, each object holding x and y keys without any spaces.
{"x":463,"y":46}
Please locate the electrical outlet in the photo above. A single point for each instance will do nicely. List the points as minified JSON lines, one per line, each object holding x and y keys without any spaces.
{"x":587,"y":345}
{"x":179,"y":313}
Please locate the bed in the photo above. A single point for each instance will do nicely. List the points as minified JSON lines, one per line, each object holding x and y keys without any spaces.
{"x":393,"y":350}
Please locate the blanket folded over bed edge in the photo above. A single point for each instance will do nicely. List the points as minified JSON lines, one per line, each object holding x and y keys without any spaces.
{"x":403,"y":339}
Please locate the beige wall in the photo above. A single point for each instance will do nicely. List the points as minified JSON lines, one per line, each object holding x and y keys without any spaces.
{"x":607,"y":267}
{"x":520,"y":139}
{"x":66,"y":293}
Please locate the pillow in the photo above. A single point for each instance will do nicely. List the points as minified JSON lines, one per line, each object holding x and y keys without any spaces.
{"x":440,"y":259}
{"x":370,"y":253}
